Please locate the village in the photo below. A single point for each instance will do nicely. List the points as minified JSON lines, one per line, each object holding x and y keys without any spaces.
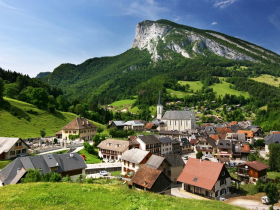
{"x":175,"y":157}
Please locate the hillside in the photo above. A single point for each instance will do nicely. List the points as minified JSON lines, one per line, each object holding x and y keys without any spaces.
{"x":94,"y":196}
{"x":165,"y":51}
{"x":27,"y":120}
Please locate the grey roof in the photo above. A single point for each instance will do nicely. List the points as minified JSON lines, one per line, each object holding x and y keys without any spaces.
{"x":226,"y":144}
{"x":164,"y":139}
{"x":155,"y":161}
{"x":235,"y":128}
{"x":210,"y":129}
{"x":211,"y":141}
{"x":118,"y":123}
{"x":134,"y":122}
{"x":275,"y":138}
{"x":134,"y":155}
{"x":178,"y":115}
{"x":185,"y":142}
{"x":150,"y":139}
{"x":175,"y":160}
{"x":13,"y":172}
{"x":236,"y":137}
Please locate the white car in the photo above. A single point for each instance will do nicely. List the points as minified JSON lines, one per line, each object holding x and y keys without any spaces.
{"x":103,"y":173}
{"x":265,"y":200}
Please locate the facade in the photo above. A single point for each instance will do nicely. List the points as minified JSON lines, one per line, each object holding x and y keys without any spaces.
{"x":112,"y":149}
{"x":80,"y":126}
{"x":186,"y":146}
{"x":133,"y":159}
{"x":151,"y":179}
{"x":12,"y":147}
{"x":252,"y":171}
{"x":166,"y":145}
{"x":206,"y":145}
{"x":236,"y":138}
{"x":116,"y":124}
{"x":249,"y":135}
{"x":149,"y":143}
{"x":206,"y":178}
{"x":71,"y":164}
{"x":224,"y":148}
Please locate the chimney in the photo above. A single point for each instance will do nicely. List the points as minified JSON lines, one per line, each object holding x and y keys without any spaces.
{"x":71,"y":154}
{"x":200,"y":160}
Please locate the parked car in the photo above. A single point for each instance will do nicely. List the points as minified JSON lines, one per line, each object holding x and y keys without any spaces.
{"x":265,"y":200}
{"x":103,"y":173}
{"x":208,"y":156}
{"x":186,"y":158}
{"x":206,"y":159}
{"x":22,"y":155}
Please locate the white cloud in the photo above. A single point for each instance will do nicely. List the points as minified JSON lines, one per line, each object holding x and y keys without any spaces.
{"x":177,"y":18}
{"x":6,"y":6}
{"x":223,"y":3}
{"x":145,"y":8}
{"x":214,"y":23}
{"x":275,"y":19}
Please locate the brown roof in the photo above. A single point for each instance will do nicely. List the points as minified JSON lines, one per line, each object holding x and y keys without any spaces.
{"x":59,"y":132}
{"x":149,"y":125}
{"x":115,"y":145}
{"x":222,"y":132}
{"x":216,"y":137}
{"x":249,"y":134}
{"x":201,"y":174}
{"x":193,"y":141}
{"x":146,"y":176}
{"x":232,"y":123}
{"x":257,"y":165}
{"x":79,"y":123}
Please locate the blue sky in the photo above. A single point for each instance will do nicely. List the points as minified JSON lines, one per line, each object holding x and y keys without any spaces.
{"x":39,"y":35}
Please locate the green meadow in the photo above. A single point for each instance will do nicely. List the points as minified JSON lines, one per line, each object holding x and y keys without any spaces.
{"x":112,"y":194}
{"x":268,"y":79}
{"x":27,"y":120}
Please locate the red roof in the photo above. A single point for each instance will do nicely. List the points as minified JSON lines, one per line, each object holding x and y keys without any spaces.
{"x":201,"y":174}
{"x":193,"y":141}
{"x":249,"y":134}
{"x":222,"y":132}
{"x":149,"y":125}
{"x":245,"y":148}
{"x":232,"y":123}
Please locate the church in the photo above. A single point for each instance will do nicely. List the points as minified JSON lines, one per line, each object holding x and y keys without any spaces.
{"x":175,"y":120}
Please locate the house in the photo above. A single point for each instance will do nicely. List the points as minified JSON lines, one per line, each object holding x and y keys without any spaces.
{"x":134,"y":125}
{"x":176,"y":120}
{"x":224,"y":148}
{"x":151,"y":179}
{"x":12,"y":147}
{"x":58,"y":134}
{"x":210,"y":130}
{"x":186,"y":146}
{"x":171,"y":165}
{"x":116,"y":124}
{"x":241,"y":151}
{"x":257,"y":132}
{"x":176,"y":146}
{"x":133,"y":159}
{"x":249,"y":135}
{"x":166,"y":145}
{"x":272,"y":138}
{"x":206,"y":145}
{"x":79,"y":126}
{"x":149,"y":143}
{"x":206,"y":178}
{"x":215,"y":137}
{"x":237,"y":138}
{"x":222,"y":132}
{"x":71,"y":164}
{"x":113,"y":149}
{"x":252,"y":171}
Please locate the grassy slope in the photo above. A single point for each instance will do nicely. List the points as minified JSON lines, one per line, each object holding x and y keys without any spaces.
{"x":194,"y":85}
{"x":94,"y":196}
{"x":26,"y":125}
{"x":89,"y":157}
{"x":268,"y":79}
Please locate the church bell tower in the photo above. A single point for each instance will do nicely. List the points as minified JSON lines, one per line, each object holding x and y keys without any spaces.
{"x":159,"y":108}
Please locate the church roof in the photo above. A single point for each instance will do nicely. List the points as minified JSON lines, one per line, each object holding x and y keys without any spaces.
{"x":178,"y":115}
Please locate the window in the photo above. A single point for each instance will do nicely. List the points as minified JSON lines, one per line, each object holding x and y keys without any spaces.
{"x":222,"y":182}
{"x":74,"y":132}
{"x":12,"y":153}
{"x":20,"y":144}
{"x":66,"y":131}
{"x":23,"y":151}
{"x":70,"y":131}
{"x":16,"y":144}
{"x":133,"y":165}
{"x":223,"y":173}
{"x":223,"y":191}
{"x":228,"y":189}
{"x":18,"y":152}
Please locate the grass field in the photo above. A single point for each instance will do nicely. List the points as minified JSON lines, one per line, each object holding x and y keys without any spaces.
{"x":178,"y":94}
{"x":272,"y":174}
{"x":223,"y":88}
{"x":89,"y":157}
{"x":95,"y":196}
{"x":194,"y":85}
{"x":29,"y":120}
{"x":4,"y":163}
{"x":268,"y":79}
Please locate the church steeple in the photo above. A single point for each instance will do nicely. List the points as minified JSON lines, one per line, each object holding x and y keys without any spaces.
{"x":159,"y":108}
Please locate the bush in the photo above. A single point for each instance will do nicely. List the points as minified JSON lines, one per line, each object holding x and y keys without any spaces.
{"x":67,"y":178}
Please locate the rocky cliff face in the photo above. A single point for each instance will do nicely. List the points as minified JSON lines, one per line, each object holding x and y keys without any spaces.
{"x":159,"y":38}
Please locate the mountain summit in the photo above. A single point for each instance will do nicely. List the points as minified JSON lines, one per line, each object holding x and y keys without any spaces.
{"x":162,"y":36}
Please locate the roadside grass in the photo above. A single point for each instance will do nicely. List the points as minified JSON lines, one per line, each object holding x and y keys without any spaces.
{"x":70,"y":196}
{"x":268,"y":79}
{"x":4,"y":163}
{"x":29,"y":120}
{"x":116,"y":173}
{"x":90,"y":159}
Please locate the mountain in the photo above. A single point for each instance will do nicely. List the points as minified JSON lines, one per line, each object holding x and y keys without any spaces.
{"x":162,"y":53}
{"x":42,"y":74}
